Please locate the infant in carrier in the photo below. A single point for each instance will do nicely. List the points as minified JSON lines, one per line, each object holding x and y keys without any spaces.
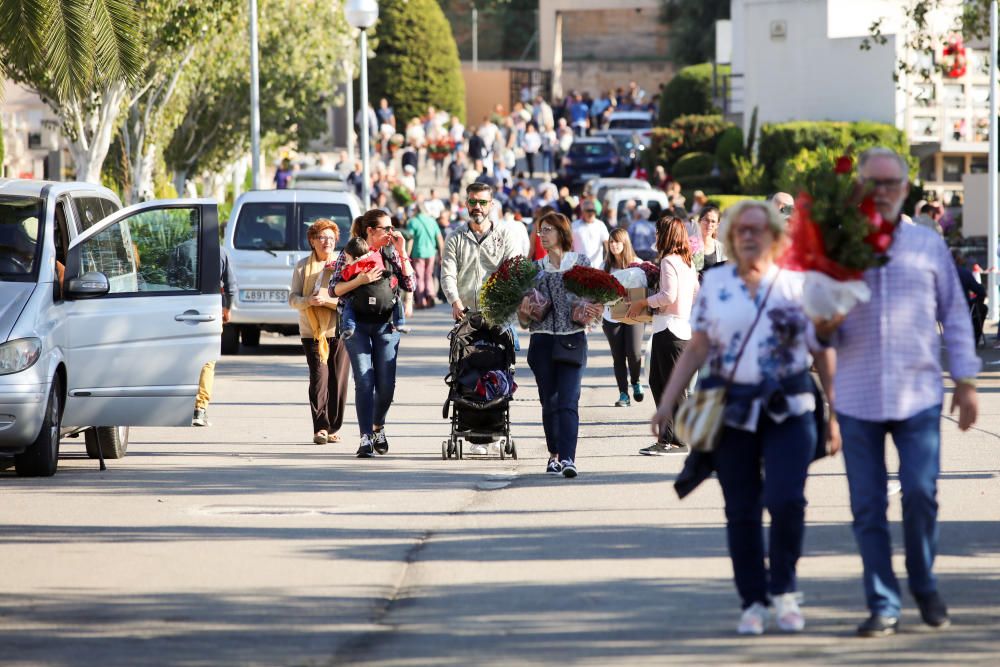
{"x":361,"y":260}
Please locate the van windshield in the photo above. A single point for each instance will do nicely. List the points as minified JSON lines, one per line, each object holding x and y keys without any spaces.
{"x":264,"y":226}
{"x":20,"y":224}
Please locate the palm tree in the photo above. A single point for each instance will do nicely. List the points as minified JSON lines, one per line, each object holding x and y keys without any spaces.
{"x":70,"y":44}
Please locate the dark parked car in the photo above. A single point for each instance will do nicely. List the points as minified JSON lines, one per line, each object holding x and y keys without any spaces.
{"x":590,"y":157}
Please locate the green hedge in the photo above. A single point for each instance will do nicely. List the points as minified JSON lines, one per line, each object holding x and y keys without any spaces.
{"x":693,"y":164}
{"x":689,"y":92}
{"x":781,"y":142}
{"x":725,"y":201}
{"x":416,"y":61}
{"x":728,"y":147}
{"x":687,"y":134}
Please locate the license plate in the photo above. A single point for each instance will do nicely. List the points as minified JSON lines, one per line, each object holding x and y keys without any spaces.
{"x":264,"y":295}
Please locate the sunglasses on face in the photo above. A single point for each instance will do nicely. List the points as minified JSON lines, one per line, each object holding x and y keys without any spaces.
{"x":478,"y":202}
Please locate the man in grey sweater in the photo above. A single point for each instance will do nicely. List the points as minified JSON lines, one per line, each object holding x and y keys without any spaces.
{"x":473,"y":252}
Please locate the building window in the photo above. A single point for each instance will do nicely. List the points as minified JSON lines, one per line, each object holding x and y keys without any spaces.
{"x":980,"y":165}
{"x":953,"y":166}
{"x":953,"y":94}
{"x":924,"y":126}
{"x":927,"y":169}
{"x":34,"y":140}
{"x":923,"y":93}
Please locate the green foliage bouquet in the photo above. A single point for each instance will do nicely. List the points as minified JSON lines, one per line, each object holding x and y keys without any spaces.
{"x":503,"y":291}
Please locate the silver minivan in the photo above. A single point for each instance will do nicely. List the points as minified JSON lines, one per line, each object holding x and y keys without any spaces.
{"x":106,"y":316}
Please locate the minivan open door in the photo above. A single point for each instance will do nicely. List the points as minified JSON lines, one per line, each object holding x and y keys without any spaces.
{"x":144,"y":314}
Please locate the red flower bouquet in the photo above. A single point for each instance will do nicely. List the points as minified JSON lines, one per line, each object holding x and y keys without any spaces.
{"x":440,"y":148}
{"x":592,"y":286}
{"x":836,"y":234}
{"x":503,"y":291}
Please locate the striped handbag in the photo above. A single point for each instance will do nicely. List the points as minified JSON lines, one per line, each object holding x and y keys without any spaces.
{"x":698,"y":421}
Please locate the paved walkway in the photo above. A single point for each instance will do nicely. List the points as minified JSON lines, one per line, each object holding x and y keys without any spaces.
{"x":241,"y":544}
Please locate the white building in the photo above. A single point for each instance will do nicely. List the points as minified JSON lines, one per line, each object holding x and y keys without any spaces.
{"x":31,"y":135}
{"x":802,"y":60}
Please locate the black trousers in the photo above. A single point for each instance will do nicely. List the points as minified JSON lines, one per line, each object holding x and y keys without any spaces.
{"x":665,"y":352}
{"x":327,"y":384}
{"x":625,"y":341}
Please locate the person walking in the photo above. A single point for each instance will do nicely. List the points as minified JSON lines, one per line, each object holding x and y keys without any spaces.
{"x":642,"y":234}
{"x":557,"y":352}
{"x":749,"y":326}
{"x":531,"y":143}
{"x":671,"y":318}
{"x":714,"y":252}
{"x":427,"y":245}
{"x":590,"y":235}
{"x":625,"y":340}
{"x":206,"y":379}
{"x":374,"y":346}
{"x":885,"y":388}
{"x":325,"y":354}
{"x":473,"y":252}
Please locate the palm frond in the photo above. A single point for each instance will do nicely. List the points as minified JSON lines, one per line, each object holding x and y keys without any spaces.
{"x":69,"y":44}
{"x":118,"y":48}
{"x":22,"y":29}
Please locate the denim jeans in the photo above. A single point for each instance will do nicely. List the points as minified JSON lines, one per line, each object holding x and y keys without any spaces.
{"x":373,"y":349}
{"x":559,"y":392}
{"x":918,"y":442}
{"x":786,"y":450}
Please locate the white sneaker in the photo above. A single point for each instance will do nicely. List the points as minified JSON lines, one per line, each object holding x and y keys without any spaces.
{"x":753,"y":620}
{"x":479,"y":450}
{"x":787,"y":613}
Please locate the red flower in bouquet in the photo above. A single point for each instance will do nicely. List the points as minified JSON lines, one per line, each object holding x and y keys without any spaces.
{"x":502,"y":292}
{"x":593,"y":285}
{"x":835,"y":229}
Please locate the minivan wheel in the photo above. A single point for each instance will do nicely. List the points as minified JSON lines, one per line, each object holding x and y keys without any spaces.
{"x":42,"y":457}
{"x":113,"y":441}
{"x":250,"y":335}
{"x":230,"y":339}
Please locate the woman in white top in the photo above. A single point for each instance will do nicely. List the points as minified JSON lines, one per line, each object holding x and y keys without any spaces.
{"x":671,"y":318}
{"x":531,"y":143}
{"x":769,"y":436}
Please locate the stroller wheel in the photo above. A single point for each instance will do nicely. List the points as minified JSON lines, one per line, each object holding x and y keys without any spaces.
{"x":513,"y":450}
{"x":503,"y":455}
{"x":444,"y":449}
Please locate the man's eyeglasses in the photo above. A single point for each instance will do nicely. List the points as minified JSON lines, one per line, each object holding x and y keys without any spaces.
{"x":478,"y":202}
{"x":590,"y":210}
{"x":887,"y":183}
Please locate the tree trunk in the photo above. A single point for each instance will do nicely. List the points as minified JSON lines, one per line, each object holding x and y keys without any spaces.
{"x":90,"y":129}
{"x":180,"y":180}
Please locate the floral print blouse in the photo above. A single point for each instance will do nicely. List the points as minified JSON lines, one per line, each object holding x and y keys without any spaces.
{"x":780,"y":344}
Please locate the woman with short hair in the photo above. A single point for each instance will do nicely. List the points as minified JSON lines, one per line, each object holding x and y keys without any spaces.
{"x":769,"y":433}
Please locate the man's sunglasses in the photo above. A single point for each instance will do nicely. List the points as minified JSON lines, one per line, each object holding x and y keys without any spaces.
{"x":478,"y":202}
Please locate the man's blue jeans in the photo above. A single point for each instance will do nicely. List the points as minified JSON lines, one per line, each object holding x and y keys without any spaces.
{"x":373,"y":349}
{"x":766,"y":468}
{"x":918,"y":441}
{"x":559,"y":392}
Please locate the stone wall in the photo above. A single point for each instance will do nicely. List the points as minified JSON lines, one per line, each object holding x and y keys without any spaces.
{"x":604,"y":35}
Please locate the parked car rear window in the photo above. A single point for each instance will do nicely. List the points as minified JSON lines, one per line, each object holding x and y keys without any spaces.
{"x":591,"y":149}
{"x":264,"y":226}
{"x":630,"y":124}
{"x":19,"y":235}
{"x":90,"y":210}
{"x":339,"y":213}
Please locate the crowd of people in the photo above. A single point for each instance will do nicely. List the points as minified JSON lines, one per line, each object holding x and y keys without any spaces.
{"x":723,"y":314}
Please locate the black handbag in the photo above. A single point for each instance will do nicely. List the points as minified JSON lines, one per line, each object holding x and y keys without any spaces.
{"x":570,"y":349}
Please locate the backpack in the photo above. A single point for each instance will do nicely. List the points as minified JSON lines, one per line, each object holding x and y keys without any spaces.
{"x":375,"y":301}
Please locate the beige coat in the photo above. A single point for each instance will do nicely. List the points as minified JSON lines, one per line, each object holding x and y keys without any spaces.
{"x":300,"y":301}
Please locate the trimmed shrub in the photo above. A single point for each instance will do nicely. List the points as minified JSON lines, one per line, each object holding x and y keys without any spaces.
{"x":416,"y":62}
{"x":686,"y":134}
{"x":781,"y":142}
{"x":725,"y":201}
{"x":693,"y":164}
{"x":729,"y":146}
{"x":689,"y":92}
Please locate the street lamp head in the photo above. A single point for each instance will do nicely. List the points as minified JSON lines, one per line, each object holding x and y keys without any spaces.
{"x":361,"y":14}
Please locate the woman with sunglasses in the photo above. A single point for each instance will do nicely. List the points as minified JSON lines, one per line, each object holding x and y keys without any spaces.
{"x":375,"y":342}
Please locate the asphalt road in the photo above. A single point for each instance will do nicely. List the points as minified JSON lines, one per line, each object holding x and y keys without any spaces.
{"x":244,"y":544}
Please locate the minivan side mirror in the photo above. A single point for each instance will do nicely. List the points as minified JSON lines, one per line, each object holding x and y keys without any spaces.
{"x":89,"y":285}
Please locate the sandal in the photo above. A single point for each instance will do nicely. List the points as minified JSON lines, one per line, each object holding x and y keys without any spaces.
{"x":321,"y":438}
{"x":333,"y":437}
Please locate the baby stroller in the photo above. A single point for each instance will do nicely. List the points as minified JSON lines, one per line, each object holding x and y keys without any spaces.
{"x":480,"y":386}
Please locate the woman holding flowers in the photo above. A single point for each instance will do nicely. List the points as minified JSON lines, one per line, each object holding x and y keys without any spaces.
{"x":557,"y":353}
{"x":671,"y":317}
{"x":625,"y":340}
{"x":769,"y":433}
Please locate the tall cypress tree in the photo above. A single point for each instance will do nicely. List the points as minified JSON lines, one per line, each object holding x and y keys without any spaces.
{"x":416,"y":61}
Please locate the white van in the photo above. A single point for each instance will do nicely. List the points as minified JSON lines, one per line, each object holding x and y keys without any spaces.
{"x":265,"y":238}
{"x":615,"y":200}
{"x":106,"y":316}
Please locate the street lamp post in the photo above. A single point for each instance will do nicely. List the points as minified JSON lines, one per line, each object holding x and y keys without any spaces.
{"x":254,"y":100}
{"x":362,"y":14}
